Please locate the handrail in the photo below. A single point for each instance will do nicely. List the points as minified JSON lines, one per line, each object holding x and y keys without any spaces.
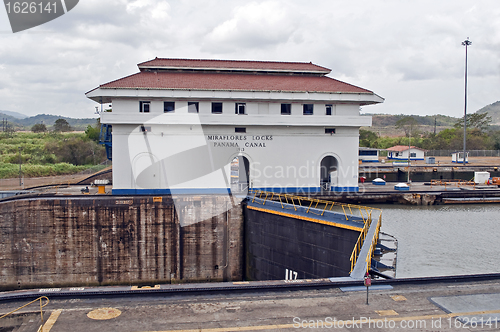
{"x":40,"y":329}
{"x":307,"y":203}
{"x":368,"y":260}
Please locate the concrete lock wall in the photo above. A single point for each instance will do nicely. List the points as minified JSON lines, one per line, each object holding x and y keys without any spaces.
{"x":277,"y":244}
{"x":119,"y":240}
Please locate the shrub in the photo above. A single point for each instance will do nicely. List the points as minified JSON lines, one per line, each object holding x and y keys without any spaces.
{"x":39,"y":128}
{"x":62,"y":125}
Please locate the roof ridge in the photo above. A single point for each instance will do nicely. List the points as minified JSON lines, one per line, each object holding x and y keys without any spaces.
{"x":242,"y":65}
{"x":233,"y":60}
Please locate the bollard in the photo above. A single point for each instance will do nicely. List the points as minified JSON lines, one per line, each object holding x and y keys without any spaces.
{"x":368,"y":283}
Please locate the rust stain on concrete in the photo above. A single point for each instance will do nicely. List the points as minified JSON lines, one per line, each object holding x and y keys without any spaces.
{"x":46,"y":242}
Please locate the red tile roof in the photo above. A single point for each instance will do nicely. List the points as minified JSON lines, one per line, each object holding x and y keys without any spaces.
{"x":400,"y":148}
{"x":226,"y":81}
{"x":234,"y":65}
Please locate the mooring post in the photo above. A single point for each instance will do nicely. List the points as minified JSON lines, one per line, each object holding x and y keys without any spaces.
{"x":368,"y":283}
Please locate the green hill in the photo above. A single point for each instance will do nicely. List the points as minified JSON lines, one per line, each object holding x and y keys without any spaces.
{"x":384,"y":120}
{"x":14,"y":114}
{"x":46,"y":119}
{"x":384,"y":124}
{"x":493,"y":110}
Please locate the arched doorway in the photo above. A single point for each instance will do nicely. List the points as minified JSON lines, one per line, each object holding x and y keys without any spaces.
{"x":146,"y":171}
{"x":328,"y":172}
{"x":240,"y":174}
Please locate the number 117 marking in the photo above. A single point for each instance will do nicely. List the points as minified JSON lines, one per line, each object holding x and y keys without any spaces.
{"x":290,"y":275}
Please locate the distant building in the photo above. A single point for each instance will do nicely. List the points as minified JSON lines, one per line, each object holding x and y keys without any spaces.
{"x":368,"y":155}
{"x":199,"y":126}
{"x":458,"y":157}
{"x":400,"y":152}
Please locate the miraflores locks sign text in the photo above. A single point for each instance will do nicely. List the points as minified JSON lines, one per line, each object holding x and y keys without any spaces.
{"x":239,"y":141}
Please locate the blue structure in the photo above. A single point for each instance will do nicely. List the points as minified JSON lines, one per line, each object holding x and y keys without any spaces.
{"x":105,"y":139}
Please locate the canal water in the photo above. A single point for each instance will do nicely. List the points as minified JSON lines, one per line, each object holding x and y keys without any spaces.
{"x":444,"y":239}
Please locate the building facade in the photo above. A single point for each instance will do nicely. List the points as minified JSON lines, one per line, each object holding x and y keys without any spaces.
{"x":215,"y":126}
{"x":400,"y":152}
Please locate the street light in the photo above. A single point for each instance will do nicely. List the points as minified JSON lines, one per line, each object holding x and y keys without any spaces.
{"x":409,"y":155}
{"x":20,"y":171}
{"x":465,"y":43}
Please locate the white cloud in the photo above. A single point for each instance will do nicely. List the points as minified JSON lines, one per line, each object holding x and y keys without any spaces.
{"x":254,"y":26}
{"x":408,"y":52}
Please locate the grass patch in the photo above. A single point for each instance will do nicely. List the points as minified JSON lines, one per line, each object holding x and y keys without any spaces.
{"x":28,"y":170}
{"x":48,"y":154}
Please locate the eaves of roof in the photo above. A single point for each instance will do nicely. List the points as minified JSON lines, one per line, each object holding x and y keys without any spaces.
{"x":232,"y":82}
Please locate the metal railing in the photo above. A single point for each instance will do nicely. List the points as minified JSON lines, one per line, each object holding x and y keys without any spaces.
{"x":359,"y":244}
{"x":41,"y":298}
{"x":314,"y":206}
{"x":95,"y":168}
{"x":319,"y":207}
{"x":361,"y":240}
{"x":239,"y":187}
{"x":455,"y":183}
{"x":472,"y":153}
{"x":374,"y":242}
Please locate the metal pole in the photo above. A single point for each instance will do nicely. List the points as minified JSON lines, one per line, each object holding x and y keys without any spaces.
{"x":465,"y":43}
{"x":20,"y":172}
{"x":367,"y":295}
{"x":409,"y":154}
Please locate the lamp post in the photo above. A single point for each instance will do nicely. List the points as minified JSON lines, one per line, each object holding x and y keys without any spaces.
{"x":409,"y":155}
{"x":465,"y":43}
{"x":20,"y":171}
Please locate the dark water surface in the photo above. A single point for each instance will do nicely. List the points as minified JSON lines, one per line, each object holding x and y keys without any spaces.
{"x":444,"y":239}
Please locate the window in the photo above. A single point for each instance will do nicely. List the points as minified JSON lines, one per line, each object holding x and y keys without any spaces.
{"x":168,"y":106}
{"x":217,"y":108}
{"x":193,"y":107}
{"x":144,"y":106}
{"x":367,"y":152}
{"x":414,"y":155}
{"x":286,"y":109}
{"x":239,"y":108}
{"x":240,"y":130}
{"x":330,"y":131}
{"x":308,"y":109}
{"x":329,"y":109}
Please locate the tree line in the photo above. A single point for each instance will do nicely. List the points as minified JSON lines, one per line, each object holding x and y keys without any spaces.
{"x":479,"y":135}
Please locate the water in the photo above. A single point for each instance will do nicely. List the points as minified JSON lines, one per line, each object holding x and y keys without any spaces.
{"x":444,"y":239}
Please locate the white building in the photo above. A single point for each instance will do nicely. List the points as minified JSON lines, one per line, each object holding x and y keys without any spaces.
{"x":179,"y":124}
{"x":368,"y":155}
{"x":400,"y":152}
{"x":458,"y":157}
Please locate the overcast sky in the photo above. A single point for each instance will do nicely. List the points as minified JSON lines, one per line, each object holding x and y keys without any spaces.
{"x":407,"y":51}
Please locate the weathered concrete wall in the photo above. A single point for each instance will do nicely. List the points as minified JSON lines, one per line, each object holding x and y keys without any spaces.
{"x":119,"y":240}
{"x":275,"y":244}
